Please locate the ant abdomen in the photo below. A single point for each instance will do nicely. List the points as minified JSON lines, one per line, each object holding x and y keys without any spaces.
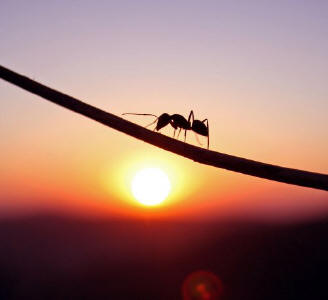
{"x":199,"y":127}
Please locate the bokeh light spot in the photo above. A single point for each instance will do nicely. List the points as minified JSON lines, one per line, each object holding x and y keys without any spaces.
{"x":202,"y":285}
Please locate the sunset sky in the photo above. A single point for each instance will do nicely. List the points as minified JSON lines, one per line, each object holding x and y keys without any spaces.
{"x":256,"y":69}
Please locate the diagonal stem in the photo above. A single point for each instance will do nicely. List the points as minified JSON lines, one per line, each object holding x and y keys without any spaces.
{"x":203,"y":156}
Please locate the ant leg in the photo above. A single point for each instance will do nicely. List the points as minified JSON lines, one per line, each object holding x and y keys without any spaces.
{"x":151,"y":123}
{"x":174,"y":133}
{"x":179,"y":133}
{"x":191,"y":115}
{"x":197,"y":138}
{"x":208,"y":133}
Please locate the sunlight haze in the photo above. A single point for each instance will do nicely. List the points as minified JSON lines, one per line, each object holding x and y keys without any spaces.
{"x":257,"y":70}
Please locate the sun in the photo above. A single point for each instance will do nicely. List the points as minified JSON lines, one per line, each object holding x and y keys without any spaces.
{"x":150,"y":186}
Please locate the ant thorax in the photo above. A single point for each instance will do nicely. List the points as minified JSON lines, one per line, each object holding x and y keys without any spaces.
{"x":180,"y":122}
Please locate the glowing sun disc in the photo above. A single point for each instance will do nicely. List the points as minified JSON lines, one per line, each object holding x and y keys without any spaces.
{"x":150,"y":186}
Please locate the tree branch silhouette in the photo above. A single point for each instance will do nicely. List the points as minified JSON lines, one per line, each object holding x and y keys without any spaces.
{"x":200,"y":155}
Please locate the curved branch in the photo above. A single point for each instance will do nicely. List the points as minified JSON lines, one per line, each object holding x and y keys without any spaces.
{"x":203,"y":156}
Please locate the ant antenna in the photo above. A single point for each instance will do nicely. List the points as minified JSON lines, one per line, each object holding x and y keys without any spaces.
{"x":140,"y":114}
{"x":136,"y":114}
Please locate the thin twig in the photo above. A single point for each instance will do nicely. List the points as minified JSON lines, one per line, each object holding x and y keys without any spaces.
{"x":204,"y":156}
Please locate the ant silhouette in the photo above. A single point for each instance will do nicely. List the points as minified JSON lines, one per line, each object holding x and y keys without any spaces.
{"x":179,"y":122}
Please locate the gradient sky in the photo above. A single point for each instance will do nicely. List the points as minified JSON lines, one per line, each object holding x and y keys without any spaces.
{"x":256,"y":69}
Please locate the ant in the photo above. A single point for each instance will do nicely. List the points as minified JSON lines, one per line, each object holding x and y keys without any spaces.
{"x":179,"y":122}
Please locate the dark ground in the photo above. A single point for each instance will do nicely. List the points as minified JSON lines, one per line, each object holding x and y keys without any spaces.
{"x":51,"y":257}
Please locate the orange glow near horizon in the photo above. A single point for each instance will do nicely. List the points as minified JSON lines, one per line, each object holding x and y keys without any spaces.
{"x":117,"y":179}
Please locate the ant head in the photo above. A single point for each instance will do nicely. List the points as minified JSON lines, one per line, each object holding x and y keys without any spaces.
{"x":163,"y":120}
